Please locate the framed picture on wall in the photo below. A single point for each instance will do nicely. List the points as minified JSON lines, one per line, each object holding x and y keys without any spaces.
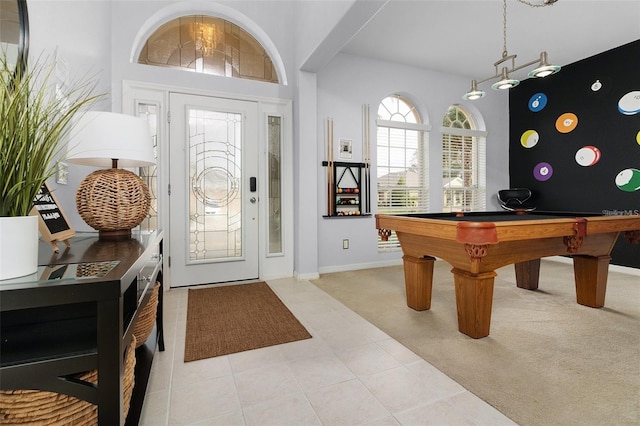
{"x":346,"y":148}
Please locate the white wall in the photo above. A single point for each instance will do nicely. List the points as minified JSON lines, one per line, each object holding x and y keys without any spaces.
{"x":78,"y":30}
{"x":322,"y":28}
{"x":78,"y":33}
{"x":347,"y":83}
{"x":314,"y":21}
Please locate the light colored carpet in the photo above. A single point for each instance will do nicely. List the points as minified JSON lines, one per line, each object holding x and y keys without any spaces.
{"x":547,"y":360}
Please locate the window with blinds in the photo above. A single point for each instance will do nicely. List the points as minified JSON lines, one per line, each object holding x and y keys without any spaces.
{"x":463,"y":163}
{"x":401,"y":162}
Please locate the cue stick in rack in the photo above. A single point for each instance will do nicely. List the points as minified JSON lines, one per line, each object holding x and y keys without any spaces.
{"x":369,"y":159}
{"x":366,"y":157}
{"x":364,"y":153}
{"x":330,"y":165}
{"x":328,"y":156}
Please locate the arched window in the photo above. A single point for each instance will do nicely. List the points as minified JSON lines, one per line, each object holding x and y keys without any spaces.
{"x":401,"y":161}
{"x":208,"y":45}
{"x":463,"y":162}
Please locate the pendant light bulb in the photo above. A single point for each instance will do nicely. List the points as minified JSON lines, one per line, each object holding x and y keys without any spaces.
{"x":544,"y":69}
{"x":505,"y":82}
{"x":474,"y":93}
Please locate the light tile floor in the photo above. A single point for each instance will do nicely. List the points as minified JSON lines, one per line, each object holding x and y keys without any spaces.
{"x":349,"y":373}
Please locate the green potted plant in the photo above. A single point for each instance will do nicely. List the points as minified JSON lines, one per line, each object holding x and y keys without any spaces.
{"x":36,"y":115}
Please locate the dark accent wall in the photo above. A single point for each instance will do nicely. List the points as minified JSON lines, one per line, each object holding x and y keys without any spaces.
{"x":574,"y":139}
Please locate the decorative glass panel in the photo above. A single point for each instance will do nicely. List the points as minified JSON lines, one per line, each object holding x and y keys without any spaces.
{"x":149,"y":175}
{"x":275,"y":183}
{"x":208,"y":45}
{"x":215,"y":196}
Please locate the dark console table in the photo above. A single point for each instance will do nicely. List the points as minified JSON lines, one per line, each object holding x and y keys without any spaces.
{"x":77,"y":314}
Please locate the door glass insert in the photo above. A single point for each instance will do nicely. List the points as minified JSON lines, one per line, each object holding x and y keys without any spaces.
{"x":149,"y":174}
{"x":215,"y":193}
{"x":275,"y":197}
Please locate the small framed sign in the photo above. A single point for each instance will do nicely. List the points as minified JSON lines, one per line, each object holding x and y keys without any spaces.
{"x":53,"y":224}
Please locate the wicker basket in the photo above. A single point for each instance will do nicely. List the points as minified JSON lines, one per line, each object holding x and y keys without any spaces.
{"x":147,"y":318}
{"x":32,"y":407}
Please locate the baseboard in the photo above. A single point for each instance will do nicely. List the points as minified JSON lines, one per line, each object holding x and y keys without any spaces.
{"x":357,"y":266}
{"x":306,"y":276}
{"x":275,"y":277}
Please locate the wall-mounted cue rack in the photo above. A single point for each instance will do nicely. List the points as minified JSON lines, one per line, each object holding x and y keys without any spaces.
{"x":348,"y":183}
{"x":346,"y":196}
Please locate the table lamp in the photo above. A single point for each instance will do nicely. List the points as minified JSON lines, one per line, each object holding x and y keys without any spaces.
{"x":112,"y":200}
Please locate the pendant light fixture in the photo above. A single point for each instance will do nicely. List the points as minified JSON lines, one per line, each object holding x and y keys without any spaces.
{"x":502,"y":69}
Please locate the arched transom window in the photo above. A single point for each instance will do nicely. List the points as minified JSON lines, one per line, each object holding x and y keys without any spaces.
{"x":463,"y":162}
{"x":401,"y":161}
{"x":208,"y":45}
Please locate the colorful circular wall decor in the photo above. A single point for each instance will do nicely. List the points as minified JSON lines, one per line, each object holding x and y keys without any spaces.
{"x":628,"y":180}
{"x":537,"y":102}
{"x":598,"y":87}
{"x":566,"y":122}
{"x":587,"y":156}
{"x":529,"y":139}
{"x":543,"y":172}
{"x":629,"y":104}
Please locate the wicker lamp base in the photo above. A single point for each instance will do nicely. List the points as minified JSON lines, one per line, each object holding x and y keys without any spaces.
{"x":113,"y":201}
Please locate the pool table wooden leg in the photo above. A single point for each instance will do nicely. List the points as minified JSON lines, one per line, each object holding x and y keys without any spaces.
{"x":474,"y":297}
{"x":528,"y":274}
{"x":418,"y":281}
{"x":591,"y":279}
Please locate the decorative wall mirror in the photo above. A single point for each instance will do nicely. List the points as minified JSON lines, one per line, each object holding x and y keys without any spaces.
{"x":14,"y":32}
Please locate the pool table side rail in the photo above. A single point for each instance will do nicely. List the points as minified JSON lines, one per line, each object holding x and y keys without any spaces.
{"x":509,"y":230}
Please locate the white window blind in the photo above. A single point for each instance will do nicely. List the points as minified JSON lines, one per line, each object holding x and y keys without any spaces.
{"x":401,"y":162}
{"x":463,"y":164}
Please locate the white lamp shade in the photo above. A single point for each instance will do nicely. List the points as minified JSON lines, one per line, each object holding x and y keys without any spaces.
{"x":98,"y":137}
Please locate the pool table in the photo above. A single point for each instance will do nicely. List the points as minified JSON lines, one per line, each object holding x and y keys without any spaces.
{"x":478,"y":243}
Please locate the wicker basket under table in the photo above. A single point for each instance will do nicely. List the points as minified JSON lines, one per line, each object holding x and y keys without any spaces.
{"x":33,"y":407}
{"x":147,"y":318}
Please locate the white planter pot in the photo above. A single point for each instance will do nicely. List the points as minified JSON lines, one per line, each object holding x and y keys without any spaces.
{"x":18,"y":246}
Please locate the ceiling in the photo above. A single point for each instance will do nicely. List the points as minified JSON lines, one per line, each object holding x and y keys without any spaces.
{"x":465,"y":37}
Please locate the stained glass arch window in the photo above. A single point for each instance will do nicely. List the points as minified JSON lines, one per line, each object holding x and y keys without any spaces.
{"x":208,"y":45}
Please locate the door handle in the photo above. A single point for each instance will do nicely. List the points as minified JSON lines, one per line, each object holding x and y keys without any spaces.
{"x":252,"y":184}
{"x":253,"y":200}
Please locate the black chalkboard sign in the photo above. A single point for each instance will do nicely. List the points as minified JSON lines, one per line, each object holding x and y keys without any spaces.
{"x":53,"y":223}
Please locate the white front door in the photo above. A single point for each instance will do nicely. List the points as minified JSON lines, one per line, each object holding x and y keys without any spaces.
{"x":213,"y":212}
